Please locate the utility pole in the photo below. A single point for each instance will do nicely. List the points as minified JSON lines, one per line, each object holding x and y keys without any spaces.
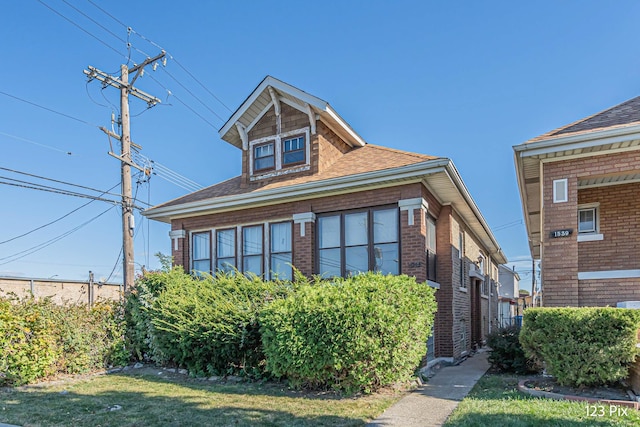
{"x":126,"y":89}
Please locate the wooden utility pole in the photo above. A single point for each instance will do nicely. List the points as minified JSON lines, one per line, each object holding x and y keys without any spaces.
{"x":126,"y":89}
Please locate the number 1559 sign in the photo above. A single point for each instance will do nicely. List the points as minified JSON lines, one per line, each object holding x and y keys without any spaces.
{"x":562,"y":233}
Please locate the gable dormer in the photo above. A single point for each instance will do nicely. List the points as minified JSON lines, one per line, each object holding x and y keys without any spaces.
{"x":285,"y":133}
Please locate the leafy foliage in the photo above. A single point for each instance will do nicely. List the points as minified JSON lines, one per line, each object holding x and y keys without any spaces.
{"x":507,"y":354}
{"x":582,"y":346}
{"x":39,"y":338}
{"x":210,"y":324}
{"x":355,"y":334}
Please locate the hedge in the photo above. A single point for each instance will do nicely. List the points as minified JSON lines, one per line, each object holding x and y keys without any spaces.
{"x":507,"y":354}
{"x":582,"y":346}
{"x":39,"y":338}
{"x":351,"y":335}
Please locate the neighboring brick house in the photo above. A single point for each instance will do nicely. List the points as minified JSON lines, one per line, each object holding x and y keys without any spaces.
{"x":314,"y":195}
{"x":580,"y":190}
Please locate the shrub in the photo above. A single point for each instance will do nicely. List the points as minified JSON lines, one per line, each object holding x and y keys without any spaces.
{"x":582,"y":346}
{"x":507,"y":354}
{"x":39,"y":338}
{"x":210,"y":324}
{"x":355,"y":334}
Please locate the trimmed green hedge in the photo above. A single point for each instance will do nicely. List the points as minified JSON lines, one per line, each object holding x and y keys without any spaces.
{"x":39,"y":338}
{"x":210,"y":324}
{"x":582,"y":346}
{"x":356,"y":334}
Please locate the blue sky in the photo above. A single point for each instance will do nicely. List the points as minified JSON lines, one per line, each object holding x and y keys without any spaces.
{"x":464,"y":80}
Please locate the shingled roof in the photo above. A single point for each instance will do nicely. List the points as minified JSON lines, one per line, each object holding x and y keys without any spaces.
{"x":621,"y":115}
{"x":369,"y":158}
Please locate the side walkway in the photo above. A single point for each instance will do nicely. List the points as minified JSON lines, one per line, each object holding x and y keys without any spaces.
{"x":431,"y":404}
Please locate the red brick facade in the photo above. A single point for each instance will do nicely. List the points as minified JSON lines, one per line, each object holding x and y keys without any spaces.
{"x":618,"y":210}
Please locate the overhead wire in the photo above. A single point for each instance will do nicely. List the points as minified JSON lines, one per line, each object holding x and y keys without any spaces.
{"x":34,"y":249}
{"x":48,"y":109}
{"x":54,"y":221}
{"x":19,"y":138}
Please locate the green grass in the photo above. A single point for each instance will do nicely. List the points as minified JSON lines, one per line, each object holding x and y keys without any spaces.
{"x":495,"y":401}
{"x":148,"y":400}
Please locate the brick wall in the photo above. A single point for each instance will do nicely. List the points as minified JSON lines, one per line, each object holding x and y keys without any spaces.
{"x":564,"y":257}
{"x":619,"y":213}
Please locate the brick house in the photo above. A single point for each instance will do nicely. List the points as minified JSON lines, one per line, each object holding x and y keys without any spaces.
{"x":314,"y":195}
{"x":580,"y":187}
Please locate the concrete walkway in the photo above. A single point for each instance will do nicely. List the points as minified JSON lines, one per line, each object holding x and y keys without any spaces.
{"x":431,"y":404}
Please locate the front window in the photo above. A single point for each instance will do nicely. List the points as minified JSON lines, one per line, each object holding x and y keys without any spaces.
{"x":263,"y":157}
{"x":226,"y":250}
{"x":348,"y":244}
{"x":587,"y":220}
{"x":463,"y":279}
{"x":293,"y":151}
{"x":200,"y":254}
{"x":252,"y":250}
{"x":280,"y":255}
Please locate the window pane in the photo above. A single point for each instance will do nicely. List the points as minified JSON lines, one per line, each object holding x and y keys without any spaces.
{"x":293,"y":157}
{"x":201,"y":246}
{"x":355,"y":229}
{"x":281,"y":266}
{"x":587,"y":220}
{"x":252,"y":264}
{"x":281,"y":237}
{"x":385,"y":226}
{"x":264,"y":163}
{"x":226,"y":264}
{"x":294,"y":144}
{"x":431,"y":234}
{"x":264,"y":150}
{"x":387,"y":258}
{"x":329,"y":230}
{"x":357,"y":260}
{"x":203,"y":266}
{"x":226,"y":243}
{"x":330,"y":262}
{"x":252,"y":240}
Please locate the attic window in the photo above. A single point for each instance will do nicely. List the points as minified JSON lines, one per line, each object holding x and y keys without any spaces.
{"x":293,"y":151}
{"x":263,"y":157}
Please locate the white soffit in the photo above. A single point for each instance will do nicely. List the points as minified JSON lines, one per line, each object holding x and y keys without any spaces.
{"x":256,"y":105}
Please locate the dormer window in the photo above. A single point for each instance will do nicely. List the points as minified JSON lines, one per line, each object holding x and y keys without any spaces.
{"x":264,"y":157}
{"x":280,"y":154}
{"x":293,"y":151}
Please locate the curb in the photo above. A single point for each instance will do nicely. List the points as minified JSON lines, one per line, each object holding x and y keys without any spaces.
{"x":557,"y":396}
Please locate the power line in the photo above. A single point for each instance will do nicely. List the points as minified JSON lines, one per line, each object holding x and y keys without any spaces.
{"x":54,"y":221}
{"x":81,"y":28}
{"x":34,"y":249}
{"x":48,"y":109}
{"x":36,"y":143}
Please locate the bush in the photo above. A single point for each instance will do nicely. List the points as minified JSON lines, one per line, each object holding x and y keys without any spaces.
{"x":582,"y":346}
{"x":39,"y":338}
{"x":507,"y":354}
{"x":210,"y":324}
{"x":355,"y":334}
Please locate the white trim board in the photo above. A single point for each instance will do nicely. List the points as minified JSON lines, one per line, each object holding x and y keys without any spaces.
{"x":611,"y":274}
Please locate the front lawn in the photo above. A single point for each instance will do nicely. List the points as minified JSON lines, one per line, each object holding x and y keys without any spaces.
{"x":495,"y":401}
{"x":155,"y":400}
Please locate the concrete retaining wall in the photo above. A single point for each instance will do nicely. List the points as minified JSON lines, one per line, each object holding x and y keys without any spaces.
{"x":60,"y":291}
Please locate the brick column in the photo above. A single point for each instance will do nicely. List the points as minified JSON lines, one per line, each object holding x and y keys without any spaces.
{"x":560,"y":265}
{"x":304,"y":231}
{"x":413,"y":235}
{"x":179,"y":248}
{"x":444,"y":296}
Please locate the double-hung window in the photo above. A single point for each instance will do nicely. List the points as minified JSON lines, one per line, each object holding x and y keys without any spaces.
{"x":588,"y":220}
{"x":264,"y":157}
{"x":200,"y":252}
{"x":354,"y":242}
{"x":252,"y":250}
{"x":293,"y":151}
{"x":226,"y":250}
{"x":431,"y":248}
{"x":280,"y":251}
{"x":463,"y":278}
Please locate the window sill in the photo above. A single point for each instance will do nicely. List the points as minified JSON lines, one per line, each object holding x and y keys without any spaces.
{"x":484,"y":296}
{"x":590,"y":237}
{"x":463,"y":290}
